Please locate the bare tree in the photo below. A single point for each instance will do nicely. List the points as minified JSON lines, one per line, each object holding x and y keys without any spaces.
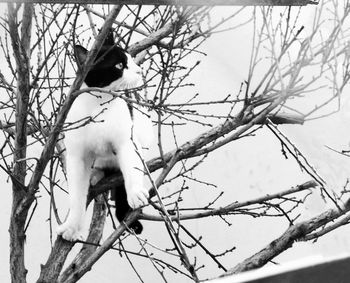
{"x":40,"y":83}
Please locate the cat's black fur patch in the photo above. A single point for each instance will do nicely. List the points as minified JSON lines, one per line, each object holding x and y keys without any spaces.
{"x":122,"y":208}
{"x":104,"y":71}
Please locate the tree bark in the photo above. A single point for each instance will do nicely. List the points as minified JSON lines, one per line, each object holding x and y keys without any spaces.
{"x":21,"y":50}
{"x":287,"y":239}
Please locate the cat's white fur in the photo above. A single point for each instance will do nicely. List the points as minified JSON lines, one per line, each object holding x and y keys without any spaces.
{"x":112,"y":139}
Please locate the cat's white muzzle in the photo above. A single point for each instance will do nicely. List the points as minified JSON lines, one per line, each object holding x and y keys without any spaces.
{"x":132,"y":76}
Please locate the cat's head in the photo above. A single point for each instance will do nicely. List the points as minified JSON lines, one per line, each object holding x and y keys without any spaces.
{"x":114,"y":68}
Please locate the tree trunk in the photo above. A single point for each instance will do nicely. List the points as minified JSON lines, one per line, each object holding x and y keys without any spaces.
{"x":21,"y":50}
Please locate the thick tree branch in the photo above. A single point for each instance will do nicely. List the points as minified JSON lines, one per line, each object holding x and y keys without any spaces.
{"x":51,"y":270}
{"x":76,"y":274}
{"x":93,"y":239}
{"x":54,"y":264}
{"x":161,"y":33}
{"x":287,"y":239}
{"x":285,"y":118}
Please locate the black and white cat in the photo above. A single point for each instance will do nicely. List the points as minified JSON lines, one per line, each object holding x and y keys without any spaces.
{"x":113,"y":139}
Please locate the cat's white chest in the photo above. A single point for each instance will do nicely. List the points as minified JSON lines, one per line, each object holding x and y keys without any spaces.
{"x":102,"y":124}
{"x":98,"y":122}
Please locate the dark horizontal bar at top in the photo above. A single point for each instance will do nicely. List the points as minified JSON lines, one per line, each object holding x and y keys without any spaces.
{"x":177,"y":2}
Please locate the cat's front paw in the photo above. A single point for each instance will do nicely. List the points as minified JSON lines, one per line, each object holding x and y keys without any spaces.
{"x":138,"y":197}
{"x":70,"y":232}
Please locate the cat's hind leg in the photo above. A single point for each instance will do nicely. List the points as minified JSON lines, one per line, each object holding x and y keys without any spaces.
{"x":122,"y":208}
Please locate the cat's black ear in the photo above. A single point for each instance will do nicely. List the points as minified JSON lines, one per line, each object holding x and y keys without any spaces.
{"x":80,"y":54}
{"x":110,"y":38}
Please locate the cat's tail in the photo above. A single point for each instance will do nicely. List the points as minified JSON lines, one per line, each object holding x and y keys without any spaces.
{"x":122,"y":208}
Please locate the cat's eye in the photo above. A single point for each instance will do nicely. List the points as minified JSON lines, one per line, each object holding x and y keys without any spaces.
{"x":119,"y":66}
